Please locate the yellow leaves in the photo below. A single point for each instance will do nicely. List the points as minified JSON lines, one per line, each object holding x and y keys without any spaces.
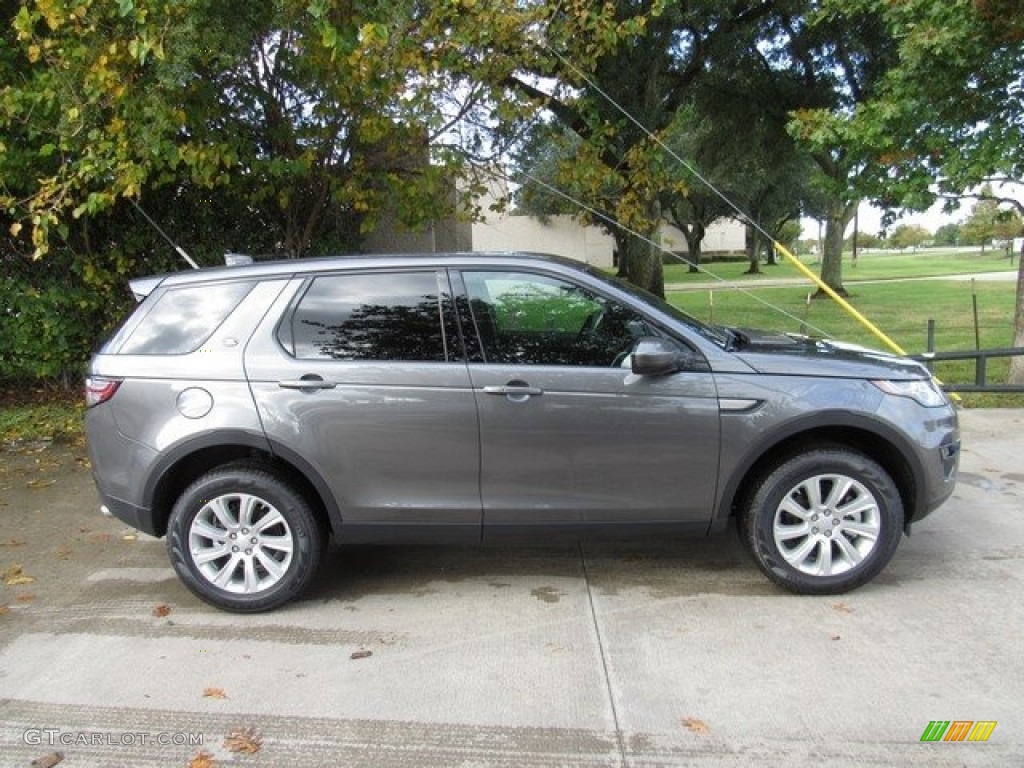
{"x":202,"y":759}
{"x":694,"y":725}
{"x":14,"y":576}
{"x":214,"y":693}
{"x":246,"y":741}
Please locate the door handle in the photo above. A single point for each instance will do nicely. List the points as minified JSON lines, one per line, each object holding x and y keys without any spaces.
{"x":308,"y":383}
{"x":514,"y":391}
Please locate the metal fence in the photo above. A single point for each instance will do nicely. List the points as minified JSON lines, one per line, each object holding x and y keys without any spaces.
{"x":981,"y":358}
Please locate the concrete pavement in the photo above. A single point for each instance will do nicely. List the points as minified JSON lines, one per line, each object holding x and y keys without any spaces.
{"x":673,"y":654}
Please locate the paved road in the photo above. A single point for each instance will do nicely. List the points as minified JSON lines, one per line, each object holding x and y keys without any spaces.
{"x":669,"y":655}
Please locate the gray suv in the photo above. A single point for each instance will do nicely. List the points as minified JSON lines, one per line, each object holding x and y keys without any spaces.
{"x":250,"y":413}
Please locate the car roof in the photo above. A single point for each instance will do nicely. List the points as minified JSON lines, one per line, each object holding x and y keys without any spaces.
{"x":143,"y":286}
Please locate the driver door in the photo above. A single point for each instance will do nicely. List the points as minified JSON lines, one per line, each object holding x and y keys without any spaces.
{"x":569,"y":435}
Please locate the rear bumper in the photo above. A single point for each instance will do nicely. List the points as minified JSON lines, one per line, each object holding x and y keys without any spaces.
{"x":137,"y":517}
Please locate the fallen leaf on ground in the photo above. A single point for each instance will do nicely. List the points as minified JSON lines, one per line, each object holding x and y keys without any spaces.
{"x":4,"y":609}
{"x":245,"y":740}
{"x":201,"y":759}
{"x":842,"y":608}
{"x":37,"y":483}
{"x":28,"y":597}
{"x":48,"y":761}
{"x":695,"y":725}
{"x":13,"y":576}
{"x":161,"y":610}
{"x":361,"y":654}
{"x":63,"y":553}
{"x":129,"y":536}
{"x":214,"y":693}
{"x":13,"y":543}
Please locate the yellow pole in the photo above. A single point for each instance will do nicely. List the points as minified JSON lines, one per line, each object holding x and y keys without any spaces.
{"x":802,"y":268}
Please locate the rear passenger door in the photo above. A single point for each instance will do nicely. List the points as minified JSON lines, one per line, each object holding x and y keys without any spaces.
{"x":365,"y":378}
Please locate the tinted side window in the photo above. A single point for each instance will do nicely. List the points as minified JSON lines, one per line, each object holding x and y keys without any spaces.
{"x":539,"y":320}
{"x":182,"y":319}
{"x":382,"y":316}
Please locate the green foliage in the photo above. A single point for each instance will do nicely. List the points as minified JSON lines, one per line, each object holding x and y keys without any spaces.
{"x":949,"y":116}
{"x":317,"y":115}
{"x":947,"y":234}
{"x":48,"y":326}
{"x":59,"y":421}
{"x":908,"y":236}
{"x":989,"y":221}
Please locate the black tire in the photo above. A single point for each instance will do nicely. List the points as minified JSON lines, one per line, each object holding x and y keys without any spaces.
{"x":829,"y":544}
{"x":242,"y":539}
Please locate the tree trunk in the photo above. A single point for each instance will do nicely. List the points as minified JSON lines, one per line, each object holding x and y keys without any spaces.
{"x":753,"y":243}
{"x":644,"y":266}
{"x":622,"y":239}
{"x":694,"y":235}
{"x":836,"y":220}
{"x":644,"y":263}
{"x":1017,"y":362}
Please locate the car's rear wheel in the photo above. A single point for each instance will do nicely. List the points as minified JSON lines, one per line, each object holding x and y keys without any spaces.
{"x":823,"y":522}
{"x":242,"y":539}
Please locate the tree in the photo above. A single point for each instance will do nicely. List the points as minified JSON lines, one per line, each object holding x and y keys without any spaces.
{"x":837,"y":60}
{"x":947,"y":234}
{"x":660,"y":51}
{"x":319,"y":114}
{"x":908,"y":236}
{"x":948,"y":118}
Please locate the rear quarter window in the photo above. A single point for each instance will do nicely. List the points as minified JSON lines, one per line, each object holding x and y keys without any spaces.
{"x":180,"y":320}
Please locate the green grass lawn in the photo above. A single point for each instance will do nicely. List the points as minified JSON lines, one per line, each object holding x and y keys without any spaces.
{"x":900,"y":309}
{"x":873,"y":265}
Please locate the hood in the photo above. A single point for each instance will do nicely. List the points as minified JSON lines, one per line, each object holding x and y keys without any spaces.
{"x":795,"y":355}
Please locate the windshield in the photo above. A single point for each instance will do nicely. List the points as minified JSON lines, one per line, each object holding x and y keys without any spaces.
{"x":716,"y":335}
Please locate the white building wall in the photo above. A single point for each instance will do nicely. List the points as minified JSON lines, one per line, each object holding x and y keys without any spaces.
{"x":565,"y":236}
{"x":562,"y":235}
{"x":722,"y":236}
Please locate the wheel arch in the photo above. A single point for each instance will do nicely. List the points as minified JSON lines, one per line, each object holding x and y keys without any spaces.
{"x":871,"y":438}
{"x":180,"y":466}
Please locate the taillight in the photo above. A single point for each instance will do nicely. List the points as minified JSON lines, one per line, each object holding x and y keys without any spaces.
{"x":99,"y":390}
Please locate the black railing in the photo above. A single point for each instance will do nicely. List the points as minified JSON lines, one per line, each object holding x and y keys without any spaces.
{"x":980,"y":357}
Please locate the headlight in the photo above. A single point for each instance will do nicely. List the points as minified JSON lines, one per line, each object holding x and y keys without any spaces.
{"x":924,"y":391}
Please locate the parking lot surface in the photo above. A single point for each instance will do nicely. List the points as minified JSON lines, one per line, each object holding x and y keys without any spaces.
{"x":672,"y":653}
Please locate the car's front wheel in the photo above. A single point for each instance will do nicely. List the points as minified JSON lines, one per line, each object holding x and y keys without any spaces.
{"x":242,"y":539}
{"x":823,"y":522}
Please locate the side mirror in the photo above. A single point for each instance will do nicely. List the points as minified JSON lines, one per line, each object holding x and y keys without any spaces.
{"x":653,"y":356}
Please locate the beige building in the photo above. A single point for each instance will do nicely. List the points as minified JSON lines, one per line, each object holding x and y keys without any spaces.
{"x":563,"y":235}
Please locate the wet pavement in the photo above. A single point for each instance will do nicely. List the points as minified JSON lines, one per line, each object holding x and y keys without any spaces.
{"x":677,"y":653}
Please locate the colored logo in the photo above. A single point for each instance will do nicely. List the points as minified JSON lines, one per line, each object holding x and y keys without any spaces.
{"x":958,"y":730}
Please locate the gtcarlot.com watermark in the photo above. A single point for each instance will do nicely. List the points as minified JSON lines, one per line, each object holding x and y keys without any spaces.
{"x":54,"y":737}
